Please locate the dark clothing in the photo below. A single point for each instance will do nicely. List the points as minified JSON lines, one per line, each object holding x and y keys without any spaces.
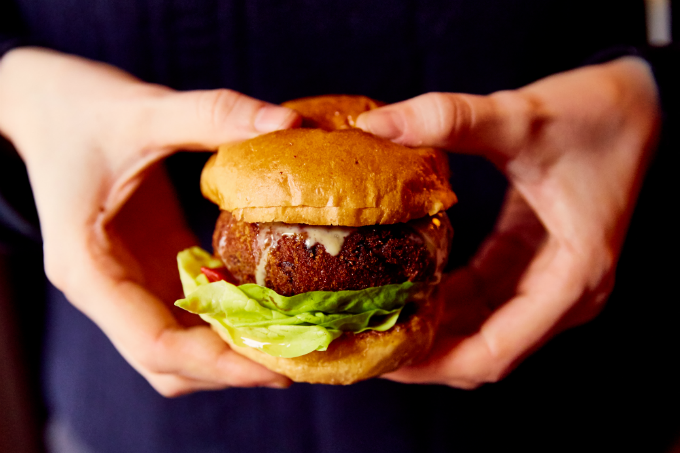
{"x":607,"y":385}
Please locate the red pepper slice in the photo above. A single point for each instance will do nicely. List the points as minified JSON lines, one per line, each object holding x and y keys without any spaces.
{"x":217,"y":274}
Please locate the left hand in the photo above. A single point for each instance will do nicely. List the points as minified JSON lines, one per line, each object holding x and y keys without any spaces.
{"x":91,"y":136}
{"x":574,"y":147}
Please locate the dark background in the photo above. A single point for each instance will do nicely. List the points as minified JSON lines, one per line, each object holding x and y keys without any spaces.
{"x":609,"y":385}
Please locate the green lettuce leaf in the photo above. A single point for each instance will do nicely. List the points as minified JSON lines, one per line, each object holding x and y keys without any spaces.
{"x":283,"y":326}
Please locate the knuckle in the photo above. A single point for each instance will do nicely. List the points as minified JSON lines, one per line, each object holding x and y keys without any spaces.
{"x":453,"y":117}
{"x":55,"y":272}
{"x":169,"y":389}
{"x":134,"y":115}
{"x":601,"y":284}
{"x":216,"y":106}
{"x":147,"y":360}
{"x":235,"y":375}
{"x":605,"y":289}
{"x":498,"y":362}
{"x":524,"y":116}
{"x":488,"y":373}
{"x":151,"y":357}
{"x":594,"y":303}
{"x":599,"y":299}
{"x":496,"y":373}
{"x":447,"y":108}
{"x":587,"y":314}
{"x":65,"y":276}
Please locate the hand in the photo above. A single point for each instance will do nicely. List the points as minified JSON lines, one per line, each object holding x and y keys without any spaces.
{"x":90,"y":136}
{"x":574,"y":148}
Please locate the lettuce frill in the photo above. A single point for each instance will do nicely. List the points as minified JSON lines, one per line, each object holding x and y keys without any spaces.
{"x":258,"y":317}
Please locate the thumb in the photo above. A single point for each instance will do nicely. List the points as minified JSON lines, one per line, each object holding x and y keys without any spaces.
{"x":165,"y":121}
{"x":205,"y":119}
{"x":490,"y":125}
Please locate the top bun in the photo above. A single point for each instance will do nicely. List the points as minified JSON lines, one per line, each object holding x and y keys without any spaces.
{"x":333,"y":175}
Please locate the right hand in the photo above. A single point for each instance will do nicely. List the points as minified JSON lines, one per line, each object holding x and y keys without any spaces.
{"x":574,"y":147}
{"x":90,"y":136}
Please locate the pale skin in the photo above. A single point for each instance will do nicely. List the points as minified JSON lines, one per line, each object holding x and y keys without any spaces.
{"x":90,"y":134}
{"x":573,"y":146}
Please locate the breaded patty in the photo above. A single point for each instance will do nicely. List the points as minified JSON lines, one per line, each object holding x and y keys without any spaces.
{"x":281,"y":258}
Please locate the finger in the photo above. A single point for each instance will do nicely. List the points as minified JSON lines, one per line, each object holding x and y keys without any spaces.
{"x":172,"y":385}
{"x":537,"y":289}
{"x":121,"y":286}
{"x":502,"y":259}
{"x":514,"y":330}
{"x":491,"y":125}
{"x":239,"y":371}
{"x":459,"y":292}
{"x":148,"y":336}
{"x":206,"y":119}
{"x":490,"y":280}
{"x":554,"y":280}
{"x":462,"y":318}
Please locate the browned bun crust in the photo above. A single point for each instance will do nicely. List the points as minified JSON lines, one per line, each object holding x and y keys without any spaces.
{"x":317,"y":177}
{"x":312,"y":176}
{"x":356,"y":357}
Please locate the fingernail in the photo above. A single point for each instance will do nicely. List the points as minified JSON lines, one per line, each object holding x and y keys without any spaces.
{"x":272,"y":118}
{"x":384,"y":123}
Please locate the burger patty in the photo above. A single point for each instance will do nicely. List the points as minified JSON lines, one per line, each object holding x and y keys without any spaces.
{"x":280,"y":256}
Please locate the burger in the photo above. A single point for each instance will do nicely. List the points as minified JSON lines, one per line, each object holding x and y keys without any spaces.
{"x":328,"y":247}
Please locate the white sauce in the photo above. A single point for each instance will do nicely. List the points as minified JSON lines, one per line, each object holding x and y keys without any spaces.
{"x":431,"y":230}
{"x":264,"y":243}
{"x":331,"y":237}
{"x":253,"y":343}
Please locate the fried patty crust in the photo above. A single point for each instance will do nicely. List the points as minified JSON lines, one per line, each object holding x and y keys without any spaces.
{"x":370,"y":256}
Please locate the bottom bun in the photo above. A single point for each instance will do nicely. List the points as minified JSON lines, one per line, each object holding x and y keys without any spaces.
{"x":355,"y":357}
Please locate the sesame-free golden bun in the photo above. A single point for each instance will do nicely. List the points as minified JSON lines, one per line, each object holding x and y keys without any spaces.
{"x":330,"y":173}
{"x":314,"y":176}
